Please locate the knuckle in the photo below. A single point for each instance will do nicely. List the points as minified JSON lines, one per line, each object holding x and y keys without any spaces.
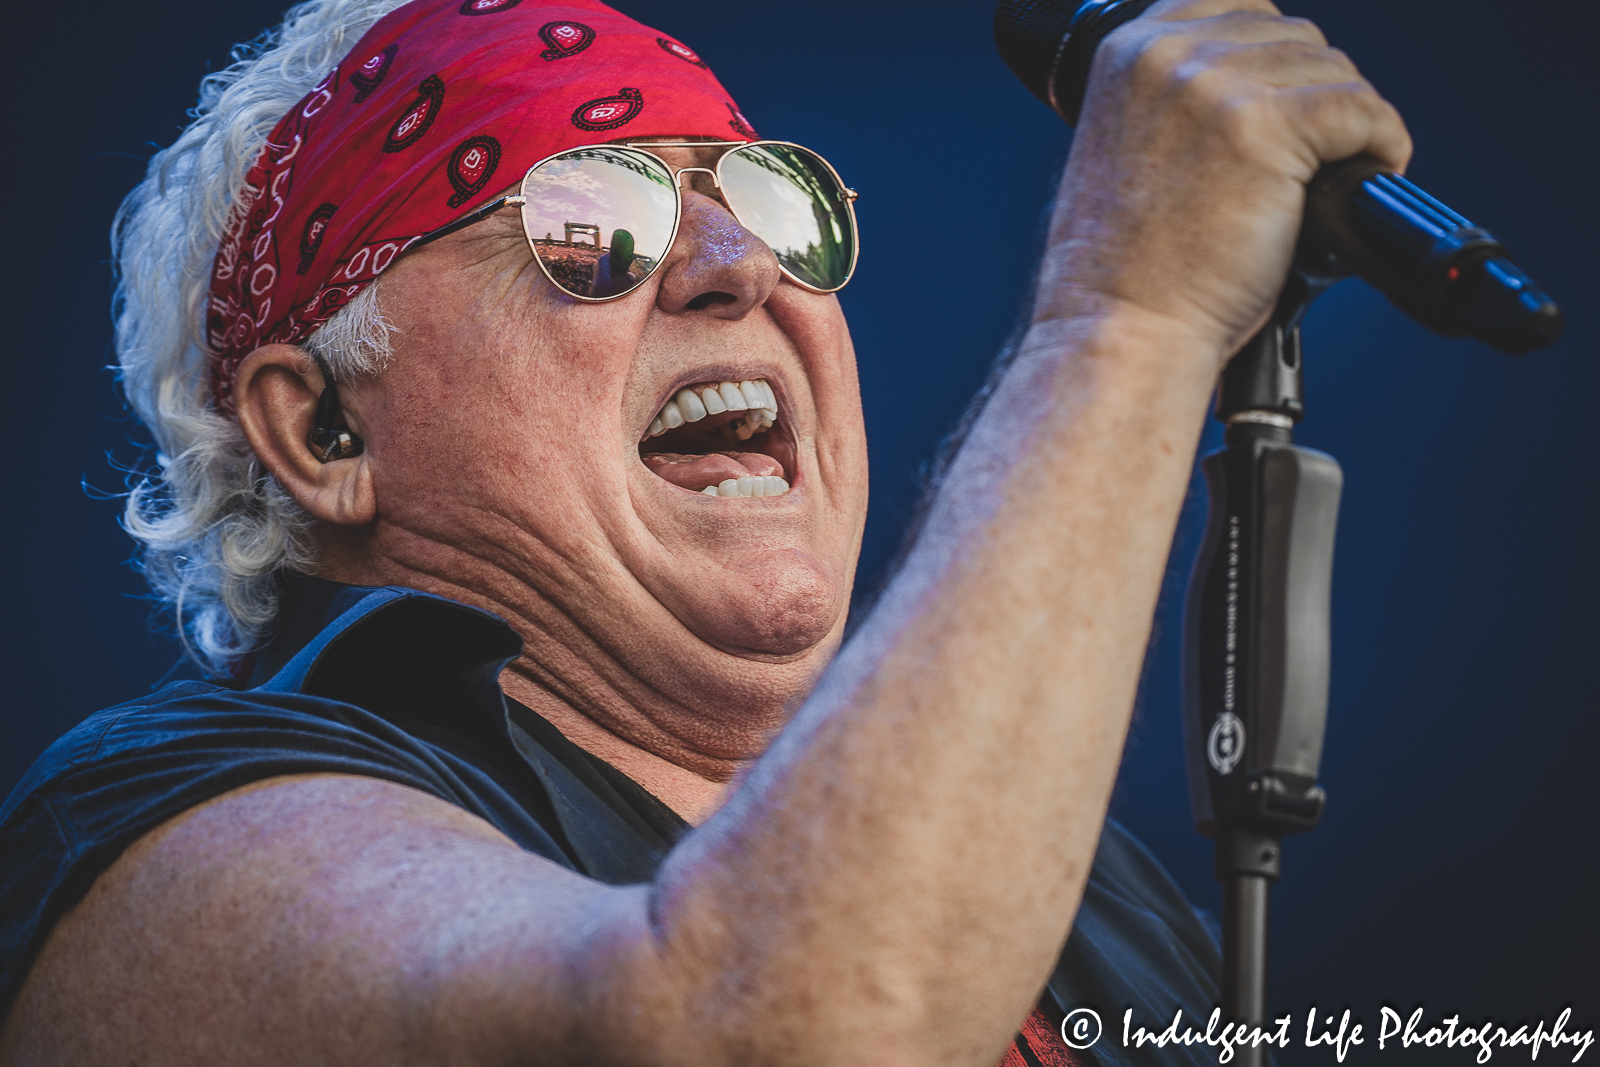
{"x":1149,"y":62}
{"x":1321,"y":63}
{"x":1212,"y":89}
{"x":1161,"y":55}
{"x":1124,"y":49}
{"x":1361,"y":93}
{"x":1251,"y":8}
{"x":1293,"y":56}
{"x":1244,"y":22}
{"x":1393,"y":125}
{"x":1339,"y":56}
{"x":1215,"y":96}
{"x":1242,"y":119}
{"x":1339,"y":120}
{"x":1303,"y":29}
{"x":1181,"y":10}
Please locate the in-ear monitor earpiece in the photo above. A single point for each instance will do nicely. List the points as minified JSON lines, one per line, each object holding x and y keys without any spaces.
{"x":330,"y":438}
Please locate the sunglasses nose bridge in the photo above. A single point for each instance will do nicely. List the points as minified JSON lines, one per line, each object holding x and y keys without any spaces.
{"x":715,"y":181}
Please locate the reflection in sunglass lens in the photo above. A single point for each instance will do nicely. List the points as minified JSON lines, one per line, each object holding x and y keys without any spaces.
{"x":789,"y":197}
{"x":600,"y":219}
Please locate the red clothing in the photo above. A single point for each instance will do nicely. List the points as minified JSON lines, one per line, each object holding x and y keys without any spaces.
{"x":441,"y":104}
{"x":1039,"y":1044}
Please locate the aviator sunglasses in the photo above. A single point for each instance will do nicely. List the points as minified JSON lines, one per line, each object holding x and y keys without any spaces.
{"x":601,"y":218}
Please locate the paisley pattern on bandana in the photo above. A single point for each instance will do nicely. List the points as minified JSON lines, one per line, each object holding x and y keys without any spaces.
{"x":435,"y":109}
{"x":609,"y":112}
{"x":565,"y":39}
{"x":487,"y":7}
{"x":682,"y":51}
{"x":409,"y":128}
{"x":370,"y":74}
{"x":740,"y":124}
{"x":472,"y":164}
{"x":311,"y":238}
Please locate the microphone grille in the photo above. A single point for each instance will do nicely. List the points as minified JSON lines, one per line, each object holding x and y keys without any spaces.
{"x":1028,"y":34}
{"x":1049,"y":44}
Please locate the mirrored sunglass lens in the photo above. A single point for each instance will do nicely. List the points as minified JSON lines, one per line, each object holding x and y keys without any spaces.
{"x":789,"y":198}
{"x":600,"y":219}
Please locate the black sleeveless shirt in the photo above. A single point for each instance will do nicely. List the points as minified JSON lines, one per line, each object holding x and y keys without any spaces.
{"x":397,"y":684}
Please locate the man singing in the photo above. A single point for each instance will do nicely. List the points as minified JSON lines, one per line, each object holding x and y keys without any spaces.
{"x":520,"y":555}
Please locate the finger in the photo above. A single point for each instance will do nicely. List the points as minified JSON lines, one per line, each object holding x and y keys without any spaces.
{"x":1280,"y":64}
{"x":1184,"y":10}
{"x":1337,"y":121}
{"x":1189,"y":49}
{"x":1247,"y":27}
{"x":1159,"y":50}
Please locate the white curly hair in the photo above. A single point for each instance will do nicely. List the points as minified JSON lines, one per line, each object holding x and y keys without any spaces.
{"x":214,"y":528}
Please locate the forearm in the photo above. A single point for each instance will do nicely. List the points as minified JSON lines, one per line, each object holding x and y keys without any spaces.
{"x":931,"y":814}
{"x":902,"y":868}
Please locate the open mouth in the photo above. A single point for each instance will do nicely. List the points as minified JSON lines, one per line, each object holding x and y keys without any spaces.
{"x":721,"y":439}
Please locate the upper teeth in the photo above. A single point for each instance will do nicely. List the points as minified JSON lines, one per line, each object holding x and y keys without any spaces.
{"x":697,"y":401}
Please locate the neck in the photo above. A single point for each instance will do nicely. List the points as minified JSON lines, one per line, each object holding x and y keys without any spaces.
{"x":682,"y":722}
{"x":694,"y":797}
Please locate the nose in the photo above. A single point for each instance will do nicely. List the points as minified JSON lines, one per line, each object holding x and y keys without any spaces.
{"x":716,"y":266}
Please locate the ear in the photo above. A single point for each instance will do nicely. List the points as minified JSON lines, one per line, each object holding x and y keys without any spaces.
{"x":275,"y":395}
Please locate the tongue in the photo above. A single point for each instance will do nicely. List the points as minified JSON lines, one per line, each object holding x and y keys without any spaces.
{"x":697,"y":472}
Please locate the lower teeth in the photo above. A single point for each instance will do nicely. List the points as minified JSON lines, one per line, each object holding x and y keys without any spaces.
{"x":758,"y":485}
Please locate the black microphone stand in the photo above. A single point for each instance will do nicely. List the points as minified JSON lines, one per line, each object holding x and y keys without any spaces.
{"x":1256,"y":635}
{"x":1256,"y":651}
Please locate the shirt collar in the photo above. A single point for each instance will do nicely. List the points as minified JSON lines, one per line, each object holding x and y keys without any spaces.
{"x":388,"y":649}
{"x":428,"y":664}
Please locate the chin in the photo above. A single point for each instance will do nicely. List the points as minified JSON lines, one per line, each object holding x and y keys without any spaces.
{"x":789,"y":604}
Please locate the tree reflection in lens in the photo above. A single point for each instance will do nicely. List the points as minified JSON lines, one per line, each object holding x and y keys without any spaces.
{"x":600,"y":219}
{"x":788,"y":197}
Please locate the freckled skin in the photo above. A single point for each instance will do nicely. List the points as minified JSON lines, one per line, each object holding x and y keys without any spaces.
{"x":724,"y":242}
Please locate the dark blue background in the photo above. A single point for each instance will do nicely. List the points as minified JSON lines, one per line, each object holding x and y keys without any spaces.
{"x":1455,"y":867}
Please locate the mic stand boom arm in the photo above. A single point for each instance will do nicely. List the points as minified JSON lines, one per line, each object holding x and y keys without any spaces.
{"x":1256,"y":656}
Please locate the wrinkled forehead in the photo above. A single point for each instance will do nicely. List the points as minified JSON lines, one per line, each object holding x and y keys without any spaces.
{"x":440,"y":104}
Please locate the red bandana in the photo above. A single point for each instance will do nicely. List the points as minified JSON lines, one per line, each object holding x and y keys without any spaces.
{"x":441,"y":105}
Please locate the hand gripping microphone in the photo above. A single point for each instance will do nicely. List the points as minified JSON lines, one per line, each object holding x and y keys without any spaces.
{"x":1440,"y":269}
{"x":1256,"y":636}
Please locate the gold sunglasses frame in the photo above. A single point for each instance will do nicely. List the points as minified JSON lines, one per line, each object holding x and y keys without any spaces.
{"x":519,"y":200}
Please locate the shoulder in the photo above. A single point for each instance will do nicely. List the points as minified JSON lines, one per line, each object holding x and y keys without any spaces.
{"x":297,"y":919}
{"x":85,"y":741}
{"x":167,"y":744}
{"x":126,"y":770}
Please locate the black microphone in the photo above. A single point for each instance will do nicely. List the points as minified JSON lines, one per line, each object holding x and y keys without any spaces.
{"x":1437,"y":267}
